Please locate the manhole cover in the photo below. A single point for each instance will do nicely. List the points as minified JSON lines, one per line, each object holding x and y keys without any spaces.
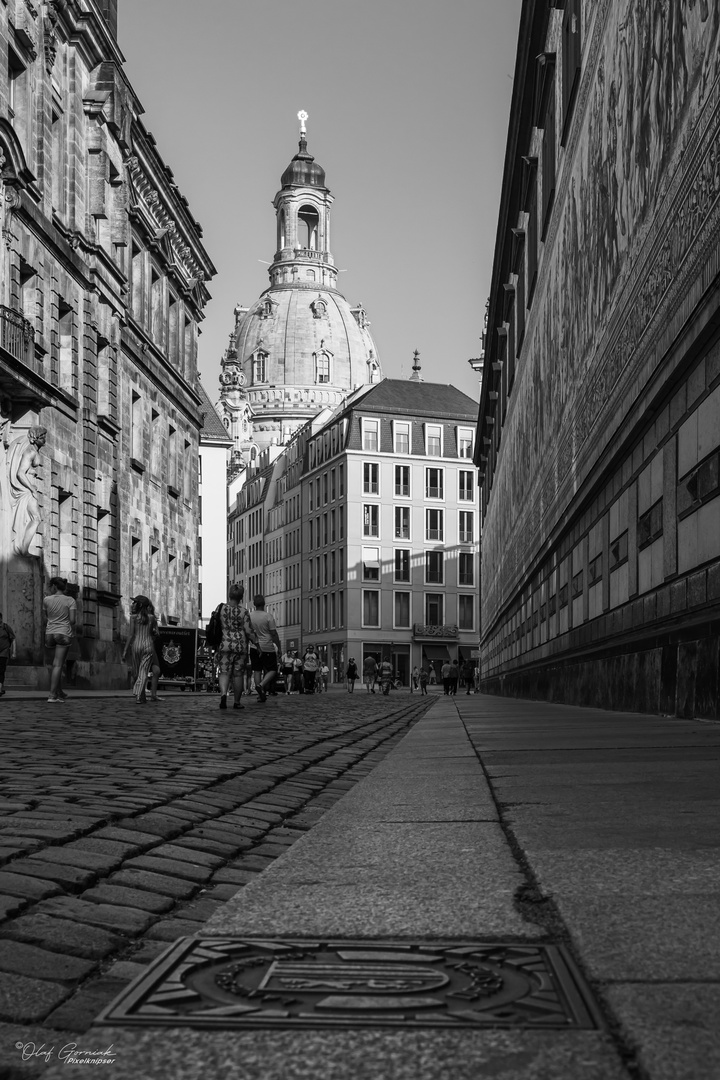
{"x":222,"y":982}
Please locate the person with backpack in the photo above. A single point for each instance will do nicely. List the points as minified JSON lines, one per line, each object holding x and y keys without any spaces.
{"x":229,"y":631}
{"x":351,"y":674}
{"x":7,"y":650}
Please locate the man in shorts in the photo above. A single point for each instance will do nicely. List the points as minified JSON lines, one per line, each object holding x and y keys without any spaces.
{"x":370,"y":673}
{"x":265,"y":653}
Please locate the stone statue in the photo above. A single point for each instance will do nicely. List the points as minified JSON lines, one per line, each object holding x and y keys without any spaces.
{"x":24,"y":459}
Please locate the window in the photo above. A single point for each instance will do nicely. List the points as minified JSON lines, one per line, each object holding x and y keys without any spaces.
{"x":371,"y":520}
{"x":137,"y":428}
{"x":465,"y":442}
{"x":332,"y":485}
{"x":434,"y":567}
{"x":325,"y":528}
{"x":619,"y":551}
{"x":65,"y":346}
{"x":547,"y":122}
{"x":402,"y":437}
{"x":571,"y":49}
{"x":466,"y":607}
{"x":402,"y":480}
{"x":466,"y":492}
{"x":434,"y":525}
{"x":402,"y":522}
{"x":595,"y":570}
{"x":402,"y":564}
{"x":58,"y":161}
{"x":371,"y":564}
{"x":434,"y":483}
{"x":466,"y":568}
{"x":371,"y":434}
{"x":433,"y":440}
{"x":466,"y":526}
{"x":325,"y":489}
{"x":401,"y":615}
{"x":341,"y":481}
{"x":371,"y":607}
{"x":434,"y":609}
{"x":371,"y":478}
{"x":650,"y":525}
{"x":322,"y":368}
{"x":332,"y":527}
{"x":307,"y":227}
{"x":259,"y":370}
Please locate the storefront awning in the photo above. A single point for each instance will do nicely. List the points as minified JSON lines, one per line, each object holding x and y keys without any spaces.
{"x":436,"y":652}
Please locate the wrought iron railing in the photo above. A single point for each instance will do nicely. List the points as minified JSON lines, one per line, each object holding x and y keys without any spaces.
{"x":16,"y":335}
{"x":432,"y":631}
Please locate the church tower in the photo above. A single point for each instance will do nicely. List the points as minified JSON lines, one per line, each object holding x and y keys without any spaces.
{"x":301,"y":347}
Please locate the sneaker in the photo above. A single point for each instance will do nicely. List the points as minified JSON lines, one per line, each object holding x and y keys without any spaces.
{"x":238,"y":705}
{"x":223,"y":701}
{"x":55,"y":700}
{"x":62,"y":695}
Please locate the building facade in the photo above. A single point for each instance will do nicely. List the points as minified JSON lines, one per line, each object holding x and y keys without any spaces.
{"x":599,"y":423}
{"x":102,"y":279}
{"x":301,"y":347}
{"x":370,"y":529}
{"x":215,"y":448}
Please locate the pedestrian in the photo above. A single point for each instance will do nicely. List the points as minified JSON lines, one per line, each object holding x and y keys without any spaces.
{"x":311,"y":665}
{"x":370,"y":672}
{"x":351,"y":674}
{"x":267,"y":648}
{"x":468,"y":671}
{"x":454,"y":677}
{"x":60,"y":614}
{"x":287,"y":667}
{"x":433,"y":675}
{"x":232,"y":655}
{"x":424,"y":679}
{"x":143,"y":630}
{"x":414,"y":679}
{"x":386,"y":674}
{"x":298,"y":685}
{"x":8,"y":650}
{"x":325,"y":677}
{"x":445,"y":674}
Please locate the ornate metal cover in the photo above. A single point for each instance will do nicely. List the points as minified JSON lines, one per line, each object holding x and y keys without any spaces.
{"x":234,"y":982}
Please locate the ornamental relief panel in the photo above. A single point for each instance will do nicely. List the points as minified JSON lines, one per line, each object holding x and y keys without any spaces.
{"x":635,"y":217}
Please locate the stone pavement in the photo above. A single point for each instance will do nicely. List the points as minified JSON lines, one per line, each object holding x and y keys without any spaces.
{"x":124,"y":827}
{"x":513,"y":821}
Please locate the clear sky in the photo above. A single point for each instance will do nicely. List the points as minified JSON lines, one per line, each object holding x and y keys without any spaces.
{"x":408,"y":103}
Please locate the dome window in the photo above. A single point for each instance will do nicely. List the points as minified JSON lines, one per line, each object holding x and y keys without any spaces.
{"x":281,"y":230}
{"x":308,"y":222}
{"x":322,"y":368}
{"x":259,"y":367}
{"x":318,"y":308}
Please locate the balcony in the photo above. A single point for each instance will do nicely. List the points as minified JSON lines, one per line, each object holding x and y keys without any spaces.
{"x":310,"y":253}
{"x":16,"y":336}
{"x":444,"y":632}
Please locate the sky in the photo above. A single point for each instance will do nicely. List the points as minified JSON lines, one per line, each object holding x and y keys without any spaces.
{"x":408,"y":104}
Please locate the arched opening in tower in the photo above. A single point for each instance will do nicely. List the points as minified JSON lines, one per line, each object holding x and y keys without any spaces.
{"x":308,"y":222}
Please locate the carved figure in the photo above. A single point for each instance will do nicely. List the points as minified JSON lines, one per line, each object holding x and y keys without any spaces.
{"x":24,"y":460}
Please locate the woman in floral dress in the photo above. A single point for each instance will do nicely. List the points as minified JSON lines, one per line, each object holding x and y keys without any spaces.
{"x":143,"y":628}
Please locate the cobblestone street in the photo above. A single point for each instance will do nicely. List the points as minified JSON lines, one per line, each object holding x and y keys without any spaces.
{"x":123,"y":828}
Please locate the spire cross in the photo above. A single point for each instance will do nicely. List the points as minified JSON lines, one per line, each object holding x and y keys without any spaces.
{"x":302,"y":117}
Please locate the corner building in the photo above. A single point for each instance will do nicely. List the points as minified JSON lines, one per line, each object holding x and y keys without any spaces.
{"x":598,"y":437}
{"x":102,"y":291}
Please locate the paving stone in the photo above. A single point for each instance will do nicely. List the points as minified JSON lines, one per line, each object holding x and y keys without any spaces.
{"x":233,"y":876}
{"x":40,"y":964}
{"x":173,"y":929}
{"x":252,"y":862}
{"x":123,"y":919}
{"x":72,"y":857}
{"x":25,"y":1000}
{"x":221,"y":892}
{"x":79,"y":1011}
{"x":191,"y":855}
{"x":176,"y":867}
{"x":158,"y":824}
{"x":137,"y":837}
{"x":105,"y":847}
{"x":159,"y":883}
{"x":104,"y":893}
{"x":63,"y":935}
{"x":125,"y":970}
{"x":201,"y":908}
{"x":148,"y":951}
{"x":70,"y":876}
{"x":31,"y":887}
{"x":11,"y":905}
{"x":200,"y":843}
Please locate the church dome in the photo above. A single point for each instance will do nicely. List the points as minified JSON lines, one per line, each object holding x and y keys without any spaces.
{"x":303,"y":170}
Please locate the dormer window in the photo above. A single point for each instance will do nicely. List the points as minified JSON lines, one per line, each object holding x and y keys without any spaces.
{"x":259,"y":367}
{"x":318,"y":308}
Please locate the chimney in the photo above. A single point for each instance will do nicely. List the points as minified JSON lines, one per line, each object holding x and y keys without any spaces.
{"x":108,"y":10}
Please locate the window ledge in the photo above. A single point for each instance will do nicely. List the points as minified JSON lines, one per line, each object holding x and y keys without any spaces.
{"x":172,"y":490}
{"x":108,"y":424}
{"x":137,"y":465}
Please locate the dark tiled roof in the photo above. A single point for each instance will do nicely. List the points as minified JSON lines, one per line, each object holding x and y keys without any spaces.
{"x":213,"y":427}
{"x":418,"y":399}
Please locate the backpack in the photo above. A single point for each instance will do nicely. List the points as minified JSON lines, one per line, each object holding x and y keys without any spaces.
{"x":214,"y":632}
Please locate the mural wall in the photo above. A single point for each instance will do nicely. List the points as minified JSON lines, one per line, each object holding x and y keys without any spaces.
{"x":636,"y":214}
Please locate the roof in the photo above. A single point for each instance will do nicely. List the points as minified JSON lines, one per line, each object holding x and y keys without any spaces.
{"x":213,"y":427}
{"x":417,"y":398}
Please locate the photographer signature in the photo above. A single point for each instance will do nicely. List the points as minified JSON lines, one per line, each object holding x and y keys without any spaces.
{"x":71,"y":1054}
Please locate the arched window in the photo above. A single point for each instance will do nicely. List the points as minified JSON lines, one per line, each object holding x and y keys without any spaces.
{"x":259,"y":367}
{"x":322,"y":368}
{"x":308,"y":222}
{"x":281,"y":230}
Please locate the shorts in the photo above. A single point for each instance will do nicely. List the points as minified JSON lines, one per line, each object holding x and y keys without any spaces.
{"x":51,"y":640}
{"x":230,"y":662}
{"x":263,"y":661}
